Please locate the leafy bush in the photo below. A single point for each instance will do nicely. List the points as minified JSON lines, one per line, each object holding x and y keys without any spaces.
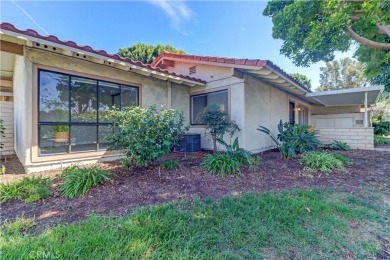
{"x":243,"y":156}
{"x":323,"y":161}
{"x":293,"y":139}
{"x":381,"y":128}
{"x":77,"y":181}
{"x":222,"y":163}
{"x":337,"y":145}
{"x":380,"y":140}
{"x":145,"y":134}
{"x":170,"y":165}
{"x":28,"y":189}
{"x":217,"y":123}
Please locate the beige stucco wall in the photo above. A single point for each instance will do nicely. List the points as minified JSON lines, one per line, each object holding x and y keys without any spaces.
{"x":356,"y":138}
{"x":203,"y":71}
{"x":152,"y":92}
{"x":180,"y":100}
{"x":22,"y":83}
{"x":265,"y":105}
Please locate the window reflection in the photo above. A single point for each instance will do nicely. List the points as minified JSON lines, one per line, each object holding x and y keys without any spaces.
{"x":83,"y":100}
{"x":73,"y":112}
{"x":54,"y":97}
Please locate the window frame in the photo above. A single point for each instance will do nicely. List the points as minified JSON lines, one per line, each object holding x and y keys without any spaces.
{"x":227,"y":90}
{"x":293,"y":113}
{"x":69,"y":122}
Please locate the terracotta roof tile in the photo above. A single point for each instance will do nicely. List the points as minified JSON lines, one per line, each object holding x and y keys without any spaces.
{"x":54,"y":39}
{"x":248,"y":62}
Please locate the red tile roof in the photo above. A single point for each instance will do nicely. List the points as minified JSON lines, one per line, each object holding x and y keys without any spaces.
{"x":257,"y":63}
{"x":54,"y":39}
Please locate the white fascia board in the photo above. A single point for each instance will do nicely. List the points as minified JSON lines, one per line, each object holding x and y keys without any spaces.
{"x":345,"y":91}
{"x":288,"y":80}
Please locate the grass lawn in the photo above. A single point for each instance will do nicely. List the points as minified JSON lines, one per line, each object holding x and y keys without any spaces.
{"x":302,"y":224}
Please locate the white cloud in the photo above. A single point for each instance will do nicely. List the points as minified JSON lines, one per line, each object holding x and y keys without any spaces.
{"x":177,"y":11}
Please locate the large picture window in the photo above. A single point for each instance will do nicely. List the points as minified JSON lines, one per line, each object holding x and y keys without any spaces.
{"x":72,"y":114}
{"x":200,"y":102}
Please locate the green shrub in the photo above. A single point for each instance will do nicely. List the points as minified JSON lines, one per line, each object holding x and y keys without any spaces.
{"x":293,"y":139}
{"x":381,"y":128}
{"x":217,"y":123}
{"x":77,"y":181}
{"x":145,"y":134}
{"x":2,"y":169}
{"x":323,"y":161}
{"x":337,"y":145}
{"x":240,"y":154}
{"x":255,"y":162}
{"x":170,"y":165}
{"x":28,"y":189}
{"x":222,"y":163}
{"x":380,"y":140}
{"x":19,"y":225}
{"x":232,"y":160}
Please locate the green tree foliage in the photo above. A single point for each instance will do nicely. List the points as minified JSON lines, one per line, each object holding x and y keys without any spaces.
{"x":302,"y":78}
{"x":145,"y":134}
{"x":314,"y":30}
{"x":217,"y":123}
{"x":381,"y":111}
{"x":146,"y":53}
{"x":346,"y":73}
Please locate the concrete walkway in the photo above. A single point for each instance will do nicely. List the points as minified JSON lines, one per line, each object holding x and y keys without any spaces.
{"x":382,"y":149}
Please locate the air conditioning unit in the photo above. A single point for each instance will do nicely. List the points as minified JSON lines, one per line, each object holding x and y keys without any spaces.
{"x":190,"y":143}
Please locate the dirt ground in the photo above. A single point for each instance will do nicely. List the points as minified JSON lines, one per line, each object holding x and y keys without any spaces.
{"x":128,"y":189}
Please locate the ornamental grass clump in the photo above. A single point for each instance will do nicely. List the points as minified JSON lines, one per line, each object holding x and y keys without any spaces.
{"x":28,"y":189}
{"x":323,"y":161}
{"x":170,"y":165}
{"x":231,"y":160}
{"x":77,"y":181}
{"x":222,"y":163}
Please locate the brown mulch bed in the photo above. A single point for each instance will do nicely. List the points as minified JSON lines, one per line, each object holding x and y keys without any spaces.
{"x":129,"y":189}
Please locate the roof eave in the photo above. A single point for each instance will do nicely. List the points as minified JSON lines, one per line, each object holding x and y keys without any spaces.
{"x":133,"y":67}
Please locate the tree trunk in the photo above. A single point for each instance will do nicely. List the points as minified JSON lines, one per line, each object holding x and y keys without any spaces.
{"x":383,"y":29}
{"x":214,"y":137}
{"x":365,"y":41}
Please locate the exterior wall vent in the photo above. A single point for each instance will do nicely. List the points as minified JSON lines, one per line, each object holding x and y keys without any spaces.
{"x":359,"y":122}
{"x":192,"y":70}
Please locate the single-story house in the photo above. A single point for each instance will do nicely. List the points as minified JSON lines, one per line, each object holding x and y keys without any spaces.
{"x":54,"y":96}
